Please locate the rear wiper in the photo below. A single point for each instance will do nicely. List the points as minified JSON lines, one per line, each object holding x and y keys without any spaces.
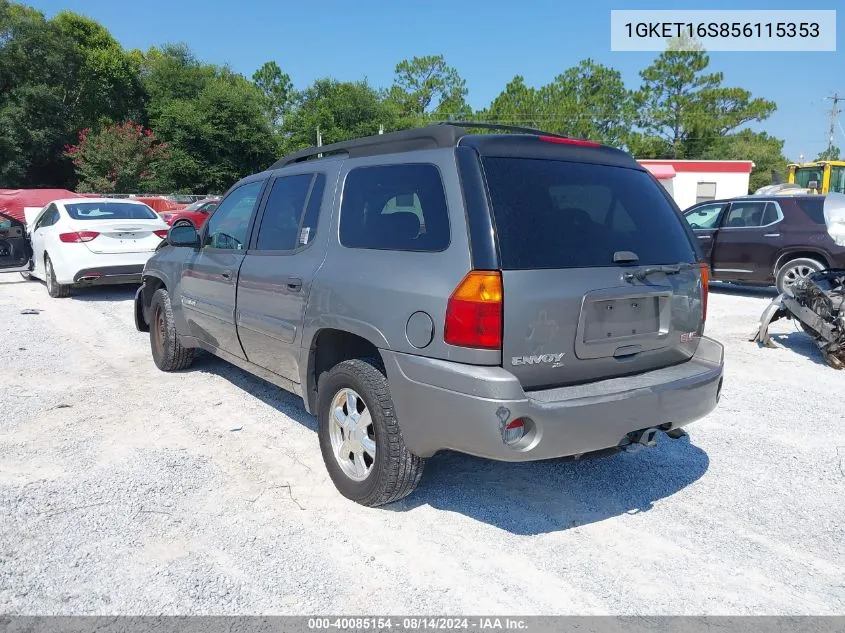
{"x":668,"y":269}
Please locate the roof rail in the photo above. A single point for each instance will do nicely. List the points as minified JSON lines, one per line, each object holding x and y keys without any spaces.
{"x":428,"y":137}
{"x":497,"y":126}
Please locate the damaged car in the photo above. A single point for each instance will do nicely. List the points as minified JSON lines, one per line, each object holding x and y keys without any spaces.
{"x":815,"y":302}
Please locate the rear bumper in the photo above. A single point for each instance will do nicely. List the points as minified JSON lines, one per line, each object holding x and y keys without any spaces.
{"x":71,"y":264}
{"x":445,"y":405}
{"x":108,"y":275}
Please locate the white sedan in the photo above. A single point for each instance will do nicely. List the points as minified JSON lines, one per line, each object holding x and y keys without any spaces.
{"x":93,"y":241}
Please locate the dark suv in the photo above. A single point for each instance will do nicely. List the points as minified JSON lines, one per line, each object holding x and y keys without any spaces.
{"x":765,"y":239}
{"x":514,"y":296}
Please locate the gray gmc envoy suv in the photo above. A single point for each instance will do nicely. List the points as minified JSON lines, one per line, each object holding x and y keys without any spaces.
{"x":516,"y":296}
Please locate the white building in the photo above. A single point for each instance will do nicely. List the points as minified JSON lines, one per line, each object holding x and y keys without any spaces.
{"x":691,"y":181}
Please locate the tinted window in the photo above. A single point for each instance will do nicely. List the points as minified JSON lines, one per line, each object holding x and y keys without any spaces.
{"x":744,"y":214}
{"x":227,"y":227}
{"x":557,"y":214}
{"x":704,"y":217}
{"x":813,"y":207}
{"x":770,"y":215}
{"x":279,"y":230}
{"x":109,"y":211}
{"x":396,"y":207}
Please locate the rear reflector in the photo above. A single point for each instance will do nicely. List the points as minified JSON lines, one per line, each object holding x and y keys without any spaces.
{"x":474,"y":311}
{"x":514,"y":431}
{"x":570,"y":141}
{"x":81,"y":236}
{"x":705,"y":289}
{"x":162,"y":233}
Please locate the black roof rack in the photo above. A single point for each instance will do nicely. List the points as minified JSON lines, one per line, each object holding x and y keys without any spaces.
{"x":507,"y":128}
{"x":429,"y":137}
{"x":446,"y":134}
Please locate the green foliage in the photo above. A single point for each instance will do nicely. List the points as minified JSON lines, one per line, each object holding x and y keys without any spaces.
{"x":67,"y":74}
{"x":277,"y":89}
{"x":123,"y":158}
{"x":766,"y":152}
{"x":831,"y":153}
{"x":428,"y":86}
{"x":340,"y":110}
{"x":687,"y":108}
{"x":586,"y":101}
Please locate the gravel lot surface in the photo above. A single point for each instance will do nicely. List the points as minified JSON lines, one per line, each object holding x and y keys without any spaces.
{"x":127,"y":490}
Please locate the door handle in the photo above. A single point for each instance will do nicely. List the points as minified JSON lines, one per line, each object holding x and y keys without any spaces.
{"x":771,"y":234}
{"x":705,"y":237}
{"x":294,"y":284}
{"x":226,"y":274}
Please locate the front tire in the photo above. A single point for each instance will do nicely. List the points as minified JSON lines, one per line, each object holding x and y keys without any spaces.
{"x":796,"y":269}
{"x":54,"y":288}
{"x":168,"y":353}
{"x":360,"y":438}
{"x":183,"y":223}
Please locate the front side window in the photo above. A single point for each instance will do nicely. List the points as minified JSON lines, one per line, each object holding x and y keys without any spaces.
{"x":227,"y":227}
{"x":395,"y":207}
{"x":705,"y":216}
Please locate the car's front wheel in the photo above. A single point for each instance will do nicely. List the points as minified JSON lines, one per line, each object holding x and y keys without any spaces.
{"x":54,"y":288}
{"x":359,"y":434}
{"x":168,"y":353}
{"x":182,"y":223}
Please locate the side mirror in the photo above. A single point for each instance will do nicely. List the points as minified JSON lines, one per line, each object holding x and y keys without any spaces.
{"x":813,"y":184}
{"x":183,"y":235}
{"x":834,"y":217}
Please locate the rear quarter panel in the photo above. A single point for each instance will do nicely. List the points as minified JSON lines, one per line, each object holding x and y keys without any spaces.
{"x":801,"y":234}
{"x":373,"y":293}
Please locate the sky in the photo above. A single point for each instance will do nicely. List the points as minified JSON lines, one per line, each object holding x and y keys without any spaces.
{"x":488,"y":41}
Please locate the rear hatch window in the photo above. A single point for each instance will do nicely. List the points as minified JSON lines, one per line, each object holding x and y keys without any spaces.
{"x":559,"y":214}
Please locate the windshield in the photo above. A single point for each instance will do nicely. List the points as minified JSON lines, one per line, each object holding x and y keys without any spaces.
{"x":558,"y":214}
{"x":805,"y":175}
{"x":110,"y":211}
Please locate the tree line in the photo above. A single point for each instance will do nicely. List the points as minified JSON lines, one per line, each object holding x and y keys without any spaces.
{"x":78,"y":111}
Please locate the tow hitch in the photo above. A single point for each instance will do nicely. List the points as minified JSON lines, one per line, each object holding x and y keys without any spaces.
{"x":636,"y":440}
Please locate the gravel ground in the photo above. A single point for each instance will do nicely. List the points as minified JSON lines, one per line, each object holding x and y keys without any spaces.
{"x":127,"y":490}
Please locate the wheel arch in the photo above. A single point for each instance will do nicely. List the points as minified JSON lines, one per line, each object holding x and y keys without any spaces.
{"x":800,"y":252}
{"x":328,"y":347}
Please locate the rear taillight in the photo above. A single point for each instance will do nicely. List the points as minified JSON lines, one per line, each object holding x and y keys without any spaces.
{"x":474,"y":311}
{"x":705,"y":289}
{"x":162,"y":233}
{"x":76,"y":237}
{"x":569,"y":141}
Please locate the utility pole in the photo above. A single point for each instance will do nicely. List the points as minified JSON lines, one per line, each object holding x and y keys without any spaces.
{"x":834,"y":118}
{"x":319,"y":141}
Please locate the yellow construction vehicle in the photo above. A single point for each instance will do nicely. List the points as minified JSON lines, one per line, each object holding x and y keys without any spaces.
{"x":822,"y":176}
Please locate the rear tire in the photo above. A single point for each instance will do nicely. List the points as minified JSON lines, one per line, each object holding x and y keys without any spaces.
{"x":168,"y":353}
{"x":796,"y":269}
{"x":54,"y":288}
{"x":393,"y":472}
{"x":183,"y":223}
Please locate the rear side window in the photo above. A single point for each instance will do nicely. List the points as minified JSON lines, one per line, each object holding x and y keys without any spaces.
{"x":395,"y":207}
{"x":813,"y":208}
{"x":558,"y":214}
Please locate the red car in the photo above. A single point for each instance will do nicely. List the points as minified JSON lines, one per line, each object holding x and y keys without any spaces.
{"x":194,"y":214}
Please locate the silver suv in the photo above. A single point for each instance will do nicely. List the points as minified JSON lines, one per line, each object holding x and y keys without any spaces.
{"x":517,"y":296}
